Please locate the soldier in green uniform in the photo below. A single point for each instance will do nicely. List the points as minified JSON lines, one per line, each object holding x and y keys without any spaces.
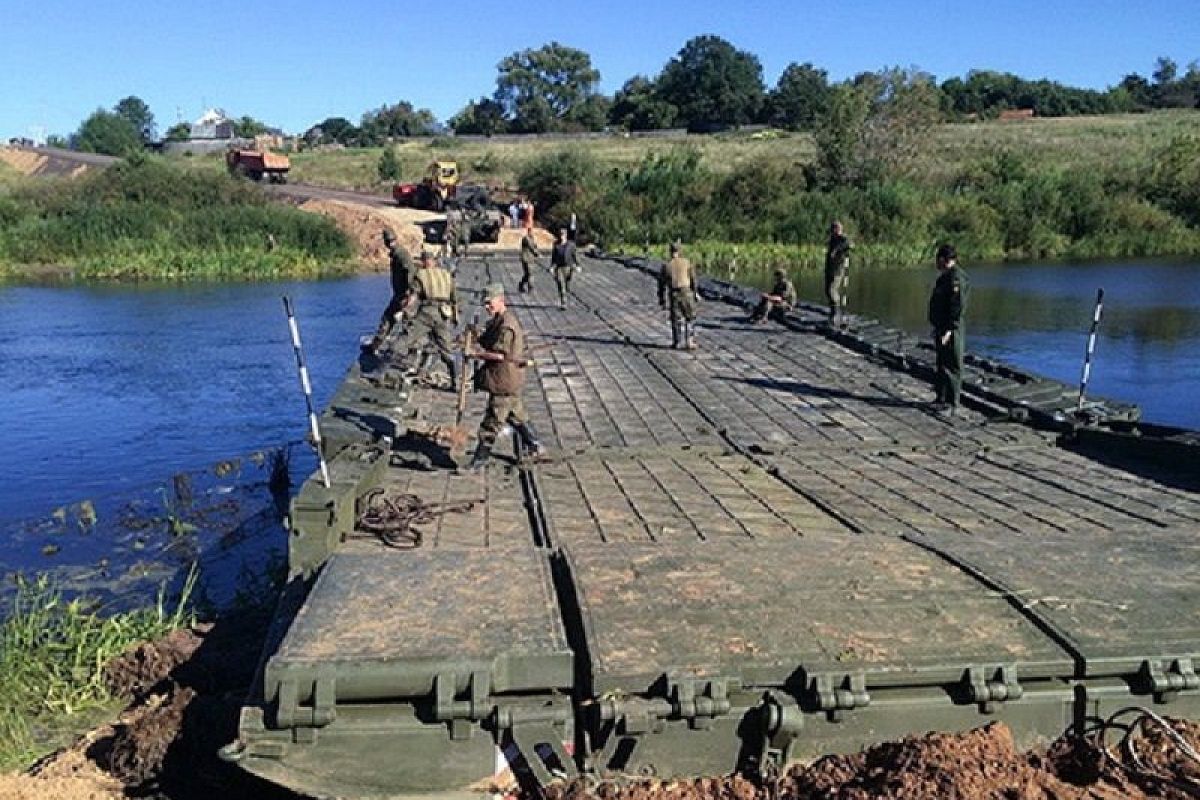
{"x":946,"y":306}
{"x":780,"y":299}
{"x":564,"y":258}
{"x":502,"y":376}
{"x":677,"y":285}
{"x":435,"y":300}
{"x":463,"y":231}
{"x":529,"y":252}
{"x":401,"y":268}
{"x":837,"y":272}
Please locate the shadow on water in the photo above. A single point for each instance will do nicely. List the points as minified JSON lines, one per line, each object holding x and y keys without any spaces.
{"x":220,"y":527}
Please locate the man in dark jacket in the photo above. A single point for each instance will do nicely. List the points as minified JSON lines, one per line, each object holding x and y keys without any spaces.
{"x":946,"y":306}
{"x":401,"y":267}
{"x":564,"y":258}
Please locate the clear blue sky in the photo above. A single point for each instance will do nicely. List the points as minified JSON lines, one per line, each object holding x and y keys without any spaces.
{"x":293,"y":64}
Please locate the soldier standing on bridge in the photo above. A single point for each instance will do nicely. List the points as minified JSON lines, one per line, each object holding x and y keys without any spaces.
{"x":436,"y":301}
{"x":401,"y":267}
{"x":677,"y":285}
{"x":780,"y":299}
{"x":565,"y":259}
{"x":946,"y":306}
{"x":502,"y":376}
{"x":529,"y":251}
{"x":837,"y":272}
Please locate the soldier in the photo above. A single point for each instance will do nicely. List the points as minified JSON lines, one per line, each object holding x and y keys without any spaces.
{"x":946,"y":306}
{"x":564,"y":258}
{"x":436,"y":301}
{"x":677,"y":281}
{"x":401,"y":266}
{"x":837,"y":272}
{"x":502,"y":376}
{"x":781,"y":299}
{"x":529,"y":251}
{"x":464,"y":235}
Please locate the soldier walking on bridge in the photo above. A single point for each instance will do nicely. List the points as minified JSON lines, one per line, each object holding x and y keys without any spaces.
{"x":401,"y":268}
{"x":946,"y":306}
{"x":502,"y":376}
{"x":780,"y":299}
{"x":677,"y":285}
{"x":837,"y":272}
{"x":436,"y":301}
{"x":564,"y":258}
{"x":529,"y":252}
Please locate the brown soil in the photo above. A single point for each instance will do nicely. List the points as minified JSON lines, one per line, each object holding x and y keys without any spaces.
{"x":29,"y":163}
{"x":364,"y":225}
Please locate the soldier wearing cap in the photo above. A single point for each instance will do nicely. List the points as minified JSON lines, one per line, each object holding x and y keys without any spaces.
{"x":946,"y":306}
{"x":401,"y":267}
{"x":564,"y":258}
{"x":837,"y":272}
{"x":677,"y":285}
{"x":435,"y":299}
{"x":781,"y":298}
{"x":502,"y":376}
{"x":529,"y":251}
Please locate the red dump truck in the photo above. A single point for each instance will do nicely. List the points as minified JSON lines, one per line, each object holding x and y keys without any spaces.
{"x":258,"y":166}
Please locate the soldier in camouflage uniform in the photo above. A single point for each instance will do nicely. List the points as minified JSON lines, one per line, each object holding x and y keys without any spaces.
{"x":677,"y":285}
{"x":946,"y":306}
{"x":502,"y":376}
{"x":529,"y":252}
{"x":780,"y":299}
{"x":401,"y":268}
{"x":837,"y":272}
{"x":435,"y":300}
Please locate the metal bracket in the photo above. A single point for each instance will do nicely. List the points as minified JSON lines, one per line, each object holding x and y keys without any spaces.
{"x":836,"y":694}
{"x":991,"y":693}
{"x":538,"y":733}
{"x":289,"y":713}
{"x":782,"y":722}
{"x":461,"y":714}
{"x":700,"y":700}
{"x":1166,"y":679}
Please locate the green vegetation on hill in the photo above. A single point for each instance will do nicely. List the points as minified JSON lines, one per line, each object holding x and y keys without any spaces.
{"x":1082,"y":187}
{"x":147,"y":219}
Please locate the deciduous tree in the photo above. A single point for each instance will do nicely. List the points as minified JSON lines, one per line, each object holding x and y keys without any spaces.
{"x":713,"y":83}
{"x":545,"y":89}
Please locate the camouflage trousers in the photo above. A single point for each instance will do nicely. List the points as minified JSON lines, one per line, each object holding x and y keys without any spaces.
{"x":502,"y":409}
{"x":837,"y":285}
{"x":947,"y":383}
{"x":429,"y":325}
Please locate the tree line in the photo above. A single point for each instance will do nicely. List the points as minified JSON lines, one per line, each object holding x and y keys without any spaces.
{"x":708,"y":85}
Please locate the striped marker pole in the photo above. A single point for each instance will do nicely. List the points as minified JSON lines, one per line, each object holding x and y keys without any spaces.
{"x":1091,"y":348}
{"x":306,"y":385}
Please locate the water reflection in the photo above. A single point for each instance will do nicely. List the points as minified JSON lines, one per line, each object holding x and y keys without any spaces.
{"x":1037,"y":316}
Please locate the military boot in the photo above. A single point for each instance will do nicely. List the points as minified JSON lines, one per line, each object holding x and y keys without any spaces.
{"x":528,"y":436}
{"x":452,"y":369}
{"x":690,"y":330}
{"x":675,"y":335}
{"x":483,"y":452}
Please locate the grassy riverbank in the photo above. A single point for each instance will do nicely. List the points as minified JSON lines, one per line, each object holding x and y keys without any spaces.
{"x":1090,"y":187}
{"x":53,"y":654}
{"x":148,"y":219}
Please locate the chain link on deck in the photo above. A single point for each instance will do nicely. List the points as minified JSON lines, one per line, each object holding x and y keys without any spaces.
{"x":390,"y":519}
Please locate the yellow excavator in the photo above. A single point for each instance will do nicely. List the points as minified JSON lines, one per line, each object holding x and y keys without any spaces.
{"x":431,"y":194}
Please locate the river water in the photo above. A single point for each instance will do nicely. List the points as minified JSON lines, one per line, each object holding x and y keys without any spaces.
{"x":107,"y":389}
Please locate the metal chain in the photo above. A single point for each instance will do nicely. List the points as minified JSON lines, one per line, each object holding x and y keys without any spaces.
{"x":391,"y":518}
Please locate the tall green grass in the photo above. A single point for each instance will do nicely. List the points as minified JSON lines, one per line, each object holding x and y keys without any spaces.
{"x":53,"y":652}
{"x":147,"y":219}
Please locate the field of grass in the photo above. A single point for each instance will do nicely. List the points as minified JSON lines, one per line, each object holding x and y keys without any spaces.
{"x":53,"y":652}
{"x":1116,"y":141}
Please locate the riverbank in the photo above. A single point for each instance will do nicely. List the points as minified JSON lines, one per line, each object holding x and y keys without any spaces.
{"x":144,"y":219}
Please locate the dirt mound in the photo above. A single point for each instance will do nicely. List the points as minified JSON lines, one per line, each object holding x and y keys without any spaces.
{"x":365,"y":224}
{"x":510,"y":239}
{"x":983,"y":764}
{"x":30,"y":163}
{"x":136,"y":672}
